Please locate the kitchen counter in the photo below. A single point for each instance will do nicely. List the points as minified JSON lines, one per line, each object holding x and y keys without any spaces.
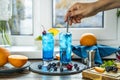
{"x":29,"y":75}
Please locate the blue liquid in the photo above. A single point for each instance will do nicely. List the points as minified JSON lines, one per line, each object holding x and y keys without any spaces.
{"x":47,"y":46}
{"x":47,"y":55}
{"x":65,"y":47}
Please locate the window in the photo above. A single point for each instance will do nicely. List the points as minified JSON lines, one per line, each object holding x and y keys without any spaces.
{"x":61,"y":6}
{"x":42,"y":15}
{"x":24,"y":22}
{"x":21,"y":21}
{"x":108,"y":32}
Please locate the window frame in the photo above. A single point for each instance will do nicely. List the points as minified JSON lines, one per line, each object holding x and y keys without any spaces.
{"x":43,"y":16}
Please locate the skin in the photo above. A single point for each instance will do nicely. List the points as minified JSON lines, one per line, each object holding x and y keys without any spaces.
{"x":79,"y":11}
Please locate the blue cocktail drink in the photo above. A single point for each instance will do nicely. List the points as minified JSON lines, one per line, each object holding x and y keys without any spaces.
{"x":65,"y":40}
{"x":47,"y":46}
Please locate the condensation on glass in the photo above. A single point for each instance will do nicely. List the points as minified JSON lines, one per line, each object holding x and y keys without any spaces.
{"x":21,"y":21}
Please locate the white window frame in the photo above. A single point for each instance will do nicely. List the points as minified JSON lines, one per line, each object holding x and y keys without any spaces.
{"x":23,"y":40}
{"x":109,"y":32}
{"x":109,"y":35}
{"x":43,"y":16}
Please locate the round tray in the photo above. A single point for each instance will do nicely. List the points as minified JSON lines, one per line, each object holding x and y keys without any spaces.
{"x":43,"y":70}
{"x":8,"y":68}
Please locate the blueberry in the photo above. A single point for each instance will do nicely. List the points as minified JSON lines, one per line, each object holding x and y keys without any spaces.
{"x":53,"y":64}
{"x":48,"y":67}
{"x":55,"y":68}
{"x":50,"y":64}
{"x":109,"y":68}
{"x":114,"y":69}
{"x":77,"y":68}
{"x":40,"y":66}
{"x":61,"y":69}
{"x":75,"y":65}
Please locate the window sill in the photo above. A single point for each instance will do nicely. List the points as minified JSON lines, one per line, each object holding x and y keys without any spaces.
{"x":33,"y":53}
{"x":30,"y":51}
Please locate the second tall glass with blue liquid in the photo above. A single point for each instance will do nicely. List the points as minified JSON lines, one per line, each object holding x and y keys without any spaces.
{"x":65,"y":41}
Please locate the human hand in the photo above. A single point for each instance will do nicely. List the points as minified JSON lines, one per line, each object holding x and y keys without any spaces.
{"x":79,"y":11}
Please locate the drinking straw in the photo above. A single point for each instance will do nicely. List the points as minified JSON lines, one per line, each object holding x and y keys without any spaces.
{"x":68,"y":25}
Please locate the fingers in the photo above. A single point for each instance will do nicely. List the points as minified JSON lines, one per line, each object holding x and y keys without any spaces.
{"x":74,"y":13}
{"x":75,"y":19}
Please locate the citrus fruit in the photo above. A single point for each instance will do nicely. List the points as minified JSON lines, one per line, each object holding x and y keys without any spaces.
{"x":38,"y":38}
{"x":99,"y":69}
{"x":54,"y":31}
{"x":17,"y":60}
{"x":4,"y":53}
{"x":88,"y":39}
{"x":58,"y":56}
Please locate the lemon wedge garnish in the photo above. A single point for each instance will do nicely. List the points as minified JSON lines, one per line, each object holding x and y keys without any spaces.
{"x":54,"y":31}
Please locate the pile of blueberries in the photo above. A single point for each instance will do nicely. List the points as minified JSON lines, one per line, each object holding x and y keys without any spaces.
{"x":111,"y":68}
{"x":54,"y":66}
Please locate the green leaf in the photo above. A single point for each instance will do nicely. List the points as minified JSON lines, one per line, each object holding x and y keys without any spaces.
{"x":108,"y":63}
{"x":118,"y":13}
{"x":38,"y":38}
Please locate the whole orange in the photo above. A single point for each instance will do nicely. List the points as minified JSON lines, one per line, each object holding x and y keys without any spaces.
{"x":17,"y":60}
{"x":88,"y":39}
{"x":4,"y":53}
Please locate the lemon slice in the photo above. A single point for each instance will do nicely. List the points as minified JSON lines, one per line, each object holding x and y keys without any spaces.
{"x":54,"y":31}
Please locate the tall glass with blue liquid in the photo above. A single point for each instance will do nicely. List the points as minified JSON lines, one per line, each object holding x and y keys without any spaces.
{"x":65,"y":41}
{"x":47,"y":47}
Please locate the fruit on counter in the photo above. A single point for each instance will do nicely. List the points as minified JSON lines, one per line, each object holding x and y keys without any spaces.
{"x":69,"y":67}
{"x":17,"y":60}
{"x":58,"y":56}
{"x":38,"y":38}
{"x":54,"y":31}
{"x":88,"y":39}
{"x":61,"y":69}
{"x":108,"y":63}
{"x":55,"y":68}
{"x":111,"y":68}
{"x":99,"y":69}
{"x":75,"y":65}
{"x":39,"y":66}
{"x":4,"y":53}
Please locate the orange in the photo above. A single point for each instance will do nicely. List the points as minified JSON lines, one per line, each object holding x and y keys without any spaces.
{"x":58,"y":56}
{"x":99,"y":69}
{"x":17,"y":60}
{"x":88,"y":39}
{"x":4,"y":53}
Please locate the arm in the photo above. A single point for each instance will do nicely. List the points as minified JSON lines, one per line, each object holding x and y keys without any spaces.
{"x":103,"y":5}
{"x":82,"y":10}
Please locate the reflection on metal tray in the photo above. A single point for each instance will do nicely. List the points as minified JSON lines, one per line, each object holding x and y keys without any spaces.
{"x":34,"y":67}
{"x":8,"y":68}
